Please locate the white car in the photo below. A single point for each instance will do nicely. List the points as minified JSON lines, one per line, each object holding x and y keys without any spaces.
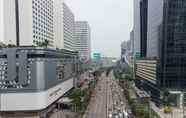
{"x":125,"y":114}
{"x":110,"y":116}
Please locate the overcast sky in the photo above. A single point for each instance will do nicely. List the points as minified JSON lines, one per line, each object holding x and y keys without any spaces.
{"x":111,"y":22}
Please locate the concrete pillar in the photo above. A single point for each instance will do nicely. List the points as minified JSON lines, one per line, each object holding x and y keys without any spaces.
{"x":181,"y":100}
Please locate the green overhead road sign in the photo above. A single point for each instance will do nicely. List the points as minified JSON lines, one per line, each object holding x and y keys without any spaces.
{"x":97,"y":56}
{"x":138,"y":55}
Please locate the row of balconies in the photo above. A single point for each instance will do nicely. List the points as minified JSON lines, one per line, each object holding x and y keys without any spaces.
{"x":146,"y":69}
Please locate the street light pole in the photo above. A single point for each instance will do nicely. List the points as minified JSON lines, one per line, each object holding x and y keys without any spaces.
{"x":149,"y":104}
{"x":106,"y":98}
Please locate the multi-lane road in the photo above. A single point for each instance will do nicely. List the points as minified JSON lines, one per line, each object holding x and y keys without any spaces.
{"x":120,"y":107}
{"x":107,"y":100}
{"x":97,"y":106}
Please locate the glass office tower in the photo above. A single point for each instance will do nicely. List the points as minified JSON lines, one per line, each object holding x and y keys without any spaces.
{"x":143,"y":27}
{"x":163,"y":66}
{"x":173,"y":45}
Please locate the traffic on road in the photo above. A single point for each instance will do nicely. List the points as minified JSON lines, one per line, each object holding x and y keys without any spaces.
{"x":120,"y":106}
{"x":108,"y":100}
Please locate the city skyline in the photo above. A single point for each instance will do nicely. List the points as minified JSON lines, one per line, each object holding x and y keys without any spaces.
{"x":93,"y":58}
{"x":111,"y":22}
{"x":38,"y":23}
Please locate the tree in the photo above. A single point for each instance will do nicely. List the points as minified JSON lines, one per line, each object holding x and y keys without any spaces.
{"x":2,"y":45}
{"x":108,"y":71}
{"x":97,"y":73}
{"x":76,"y":97}
{"x":11,"y":45}
{"x":166,"y":95}
{"x":44,"y":44}
{"x":128,"y":77}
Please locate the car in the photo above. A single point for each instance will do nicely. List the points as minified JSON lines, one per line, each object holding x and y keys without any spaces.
{"x":125,"y":114}
{"x":110,"y":115}
{"x":121,"y":115}
{"x":115,"y":115}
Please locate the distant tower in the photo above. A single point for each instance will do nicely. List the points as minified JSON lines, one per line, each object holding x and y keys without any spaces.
{"x":83,"y":39}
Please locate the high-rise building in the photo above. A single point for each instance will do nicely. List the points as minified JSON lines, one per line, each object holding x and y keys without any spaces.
{"x":83,"y":40}
{"x":58,"y":24}
{"x":155,"y":20}
{"x":131,"y":42}
{"x":143,"y":27}
{"x":27,"y":22}
{"x":64,"y":26}
{"x":32,"y":22}
{"x":127,"y":49}
{"x":140,"y":27}
{"x":173,"y":45}
{"x":123,"y":48}
{"x":164,"y":65}
{"x":69,"y":28}
{"x":137,"y":34}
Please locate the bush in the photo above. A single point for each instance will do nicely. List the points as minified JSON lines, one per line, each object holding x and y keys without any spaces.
{"x":76,"y":96}
{"x":140,"y":110}
{"x":167,"y":110}
{"x":128,"y":77}
{"x":108,"y":71}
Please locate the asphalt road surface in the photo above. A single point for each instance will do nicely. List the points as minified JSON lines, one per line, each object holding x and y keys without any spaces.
{"x":98,"y":104}
{"x":107,"y":99}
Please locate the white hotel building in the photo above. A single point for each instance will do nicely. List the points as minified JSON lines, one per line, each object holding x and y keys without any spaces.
{"x":69,"y":25}
{"x":27,"y":22}
{"x":83,"y":39}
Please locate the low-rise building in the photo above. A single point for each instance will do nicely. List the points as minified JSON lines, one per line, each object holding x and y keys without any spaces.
{"x":108,"y":62}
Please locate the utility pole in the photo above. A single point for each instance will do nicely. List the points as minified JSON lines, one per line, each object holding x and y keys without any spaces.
{"x":106,"y":97}
{"x":183,"y":106}
{"x":149,"y":104}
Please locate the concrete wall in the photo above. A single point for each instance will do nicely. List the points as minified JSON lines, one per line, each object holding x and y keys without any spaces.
{"x":25,"y":22}
{"x":58,"y":24}
{"x":7,"y":22}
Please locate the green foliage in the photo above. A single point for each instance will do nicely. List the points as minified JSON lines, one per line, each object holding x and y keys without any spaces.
{"x":76,"y":96}
{"x":143,"y":111}
{"x":128,"y":77}
{"x":166,"y":95}
{"x":97,"y":73}
{"x":81,"y":98}
{"x":2,"y":45}
{"x":11,"y":45}
{"x":167,"y":109}
{"x":108,"y":71}
{"x":44,"y":44}
{"x":117,"y":74}
{"x":138,"y":109}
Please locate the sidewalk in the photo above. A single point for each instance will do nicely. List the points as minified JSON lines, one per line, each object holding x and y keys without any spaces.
{"x":157,"y":110}
{"x":177,"y":113}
